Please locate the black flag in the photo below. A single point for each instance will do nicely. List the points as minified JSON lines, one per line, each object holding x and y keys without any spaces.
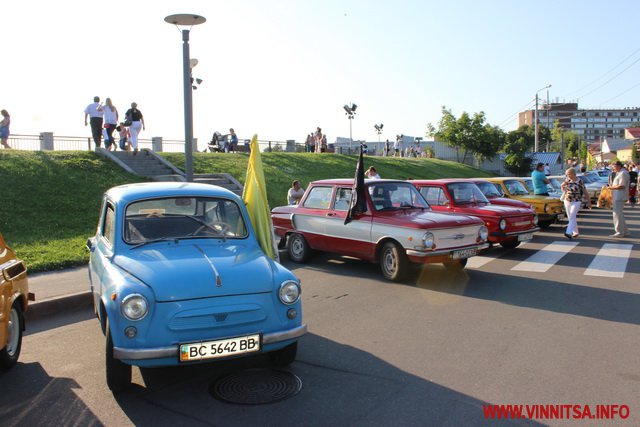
{"x":358,"y":202}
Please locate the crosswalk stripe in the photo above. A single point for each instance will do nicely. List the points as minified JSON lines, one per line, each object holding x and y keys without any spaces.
{"x":611,"y":261}
{"x":546,"y":257}
{"x":479,"y":261}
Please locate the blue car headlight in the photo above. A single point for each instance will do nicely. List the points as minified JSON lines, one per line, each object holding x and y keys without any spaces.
{"x":289,"y":292}
{"x":134,"y":307}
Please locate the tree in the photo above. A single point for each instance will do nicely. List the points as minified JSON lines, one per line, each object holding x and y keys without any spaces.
{"x":468,"y":134}
{"x":634,"y":154}
{"x":518,"y":144}
{"x":582,"y":152}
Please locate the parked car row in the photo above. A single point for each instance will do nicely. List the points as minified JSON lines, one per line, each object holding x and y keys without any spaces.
{"x":405,"y":223}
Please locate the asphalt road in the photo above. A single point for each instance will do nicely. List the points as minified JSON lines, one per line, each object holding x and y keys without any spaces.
{"x":431,"y":351}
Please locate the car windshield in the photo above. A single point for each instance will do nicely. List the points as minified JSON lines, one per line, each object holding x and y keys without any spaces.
{"x":587,"y":179}
{"x":466,"y":193}
{"x":515,"y":187}
{"x":529,"y":184}
{"x":396,"y":195}
{"x":489,"y":189}
{"x":175,"y":218}
{"x":555,"y":183}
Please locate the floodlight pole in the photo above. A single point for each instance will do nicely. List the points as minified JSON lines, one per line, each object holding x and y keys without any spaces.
{"x":350,"y":133}
{"x":187,"y":20}
{"x":188,"y":107}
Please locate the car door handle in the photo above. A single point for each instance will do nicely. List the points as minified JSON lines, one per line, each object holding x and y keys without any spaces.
{"x":331,"y":214}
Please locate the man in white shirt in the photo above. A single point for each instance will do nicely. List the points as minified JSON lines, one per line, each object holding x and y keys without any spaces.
{"x":94,"y":112}
{"x":619,"y":195}
{"x":295,"y":193}
{"x":547,"y":170}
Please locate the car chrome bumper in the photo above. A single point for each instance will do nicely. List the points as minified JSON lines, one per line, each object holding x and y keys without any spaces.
{"x":513,"y":233}
{"x":172,"y":351}
{"x":425,"y":254}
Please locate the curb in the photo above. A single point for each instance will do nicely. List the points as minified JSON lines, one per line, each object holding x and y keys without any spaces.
{"x":53,"y":306}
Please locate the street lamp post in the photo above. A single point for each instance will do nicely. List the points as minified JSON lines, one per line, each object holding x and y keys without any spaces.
{"x":350,"y":112}
{"x":187,"y":20}
{"x":536,"y":120}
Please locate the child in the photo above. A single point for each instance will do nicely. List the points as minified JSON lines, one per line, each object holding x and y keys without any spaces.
{"x":125,"y":142}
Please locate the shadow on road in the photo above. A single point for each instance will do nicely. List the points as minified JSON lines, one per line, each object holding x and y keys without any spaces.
{"x":559,"y":297}
{"x":30,"y":397}
{"x":342,"y":385}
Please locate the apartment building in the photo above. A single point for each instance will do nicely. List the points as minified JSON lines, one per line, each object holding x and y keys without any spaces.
{"x":594,"y":125}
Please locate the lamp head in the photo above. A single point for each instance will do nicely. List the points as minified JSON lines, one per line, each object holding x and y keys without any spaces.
{"x":353,"y":107}
{"x":347,"y":109}
{"x":192,"y":63}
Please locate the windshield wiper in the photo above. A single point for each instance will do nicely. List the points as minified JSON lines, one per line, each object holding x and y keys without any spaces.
{"x":161,"y":239}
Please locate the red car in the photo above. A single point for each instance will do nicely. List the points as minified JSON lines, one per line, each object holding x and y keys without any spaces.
{"x":508,"y":225}
{"x":397,"y":228}
{"x":494,"y":194}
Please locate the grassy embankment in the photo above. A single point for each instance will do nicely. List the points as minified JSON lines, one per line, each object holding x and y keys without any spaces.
{"x":282,"y":168}
{"x":50,"y":200}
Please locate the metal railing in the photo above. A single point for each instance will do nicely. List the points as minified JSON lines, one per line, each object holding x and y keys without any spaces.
{"x":49,"y":141}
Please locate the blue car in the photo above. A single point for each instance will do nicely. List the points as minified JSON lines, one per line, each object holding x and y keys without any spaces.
{"x":178,"y":277}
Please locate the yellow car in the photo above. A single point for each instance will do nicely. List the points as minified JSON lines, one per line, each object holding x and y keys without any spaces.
{"x":549,"y":209}
{"x":14,"y":301}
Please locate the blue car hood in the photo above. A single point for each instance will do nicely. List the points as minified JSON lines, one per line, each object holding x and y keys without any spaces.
{"x":189,"y":270}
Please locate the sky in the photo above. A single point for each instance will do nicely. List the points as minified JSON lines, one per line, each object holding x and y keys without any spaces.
{"x":281,"y":68}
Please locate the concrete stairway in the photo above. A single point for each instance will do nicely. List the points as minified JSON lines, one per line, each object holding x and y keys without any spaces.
{"x":150,"y":165}
{"x":145,"y":163}
{"x":221,"y":179}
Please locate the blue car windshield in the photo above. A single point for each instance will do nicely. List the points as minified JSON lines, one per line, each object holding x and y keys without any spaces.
{"x":175,"y":218}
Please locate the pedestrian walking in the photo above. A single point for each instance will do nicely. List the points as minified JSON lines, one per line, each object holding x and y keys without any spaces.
{"x":134,"y":116}
{"x":633,"y":185}
{"x":125,"y":137}
{"x":574,"y":193}
{"x":110,"y":114}
{"x":619,"y":194}
{"x":317,"y":136}
{"x":396,"y":147}
{"x":4,"y":128}
{"x":386,"y":148}
{"x":547,"y":169}
{"x":94,"y":113}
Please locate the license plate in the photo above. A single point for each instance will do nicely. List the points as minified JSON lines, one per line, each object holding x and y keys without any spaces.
{"x":526,"y":236}
{"x":219,"y":348}
{"x":464,"y":253}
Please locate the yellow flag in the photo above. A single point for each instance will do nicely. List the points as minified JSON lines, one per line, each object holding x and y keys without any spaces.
{"x":255,"y":198}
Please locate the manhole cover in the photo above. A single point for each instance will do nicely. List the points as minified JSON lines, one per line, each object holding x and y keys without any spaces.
{"x":256,"y":386}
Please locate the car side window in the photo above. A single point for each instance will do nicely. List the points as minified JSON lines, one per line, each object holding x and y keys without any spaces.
{"x":108,"y":226}
{"x":434,"y":195}
{"x":343,"y":199}
{"x":319,"y":198}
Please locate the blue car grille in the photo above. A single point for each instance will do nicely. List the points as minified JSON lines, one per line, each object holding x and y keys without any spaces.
{"x":216,"y":317}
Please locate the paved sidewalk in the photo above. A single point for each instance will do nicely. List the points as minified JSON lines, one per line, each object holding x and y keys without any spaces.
{"x":59,"y":291}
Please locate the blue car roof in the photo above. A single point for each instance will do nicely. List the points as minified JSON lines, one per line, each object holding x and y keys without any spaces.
{"x":130,"y":192}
